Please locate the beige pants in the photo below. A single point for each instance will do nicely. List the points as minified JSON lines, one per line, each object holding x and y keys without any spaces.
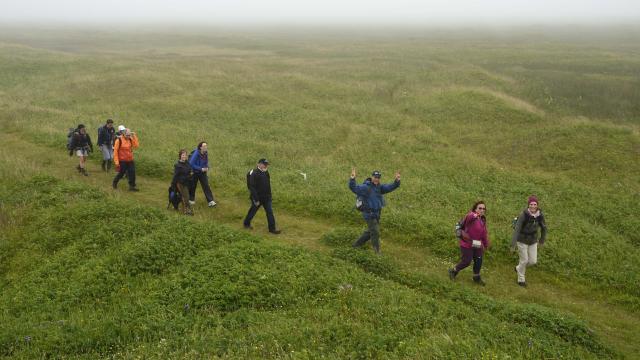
{"x":528,"y":256}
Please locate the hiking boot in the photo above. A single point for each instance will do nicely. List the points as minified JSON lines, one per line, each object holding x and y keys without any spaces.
{"x":104,"y":165}
{"x":212,"y":203}
{"x":79,"y":168}
{"x":133,"y":189}
{"x":108,"y":165}
{"x":478,"y":280}
{"x":248,"y":227}
{"x":84,"y":172}
{"x":114,"y":185}
{"x":276,"y":232}
{"x":452,"y":274}
{"x":522,"y":283}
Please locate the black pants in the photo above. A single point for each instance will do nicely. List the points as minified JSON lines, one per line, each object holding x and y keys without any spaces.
{"x":266,"y":203}
{"x":204,"y":181}
{"x":129,"y":168}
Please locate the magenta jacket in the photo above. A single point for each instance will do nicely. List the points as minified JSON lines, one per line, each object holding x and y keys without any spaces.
{"x":475,"y":228}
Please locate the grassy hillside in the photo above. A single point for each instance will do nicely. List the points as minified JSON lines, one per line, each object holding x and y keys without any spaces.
{"x":463,"y":118}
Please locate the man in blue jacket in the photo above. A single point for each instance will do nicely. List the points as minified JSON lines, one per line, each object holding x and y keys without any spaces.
{"x":199,"y":162}
{"x":371,"y":191}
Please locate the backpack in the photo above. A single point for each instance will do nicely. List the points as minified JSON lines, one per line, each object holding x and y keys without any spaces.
{"x":459,"y":228}
{"x":514,"y":222}
{"x":249,"y":173}
{"x":174,"y":197}
{"x":70,"y":138}
{"x":361,"y":201}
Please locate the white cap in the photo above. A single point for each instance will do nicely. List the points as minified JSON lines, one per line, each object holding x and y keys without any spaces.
{"x":121,"y":128}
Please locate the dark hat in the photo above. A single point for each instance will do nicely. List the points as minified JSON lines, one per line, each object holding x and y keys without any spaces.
{"x":531,"y":199}
{"x":376,"y":174}
{"x":263,"y":161}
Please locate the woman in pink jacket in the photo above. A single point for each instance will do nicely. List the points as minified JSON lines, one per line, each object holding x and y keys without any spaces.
{"x":474,"y":241}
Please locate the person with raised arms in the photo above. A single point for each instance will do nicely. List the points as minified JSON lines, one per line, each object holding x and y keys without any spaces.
{"x":371,"y":192}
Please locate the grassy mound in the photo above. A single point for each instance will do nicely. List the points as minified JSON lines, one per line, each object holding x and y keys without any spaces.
{"x":100,"y":277}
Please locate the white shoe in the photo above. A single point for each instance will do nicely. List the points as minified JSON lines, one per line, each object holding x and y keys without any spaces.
{"x":212,"y":203}
{"x":192,"y":202}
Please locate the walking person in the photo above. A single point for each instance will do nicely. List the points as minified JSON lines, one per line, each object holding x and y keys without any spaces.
{"x":259,"y":185}
{"x":182,"y":180}
{"x":123,"y":148}
{"x":525,"y":237}
{"x":473,"y":242}
{"x":106,"y":137}
{"x":372,"y":192}
{"x":199,"y":162}
{"x":81,"y":144}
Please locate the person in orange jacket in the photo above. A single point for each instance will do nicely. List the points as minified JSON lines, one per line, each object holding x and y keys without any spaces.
{"x":123,"y":157}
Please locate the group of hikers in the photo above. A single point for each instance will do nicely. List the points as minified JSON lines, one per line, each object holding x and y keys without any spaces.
{"x":190,"y":169}
{"x":529,"y":228}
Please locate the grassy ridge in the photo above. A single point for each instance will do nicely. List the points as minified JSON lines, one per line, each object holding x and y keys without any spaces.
{"x":458,"y":122}
{"x":143,"y":290}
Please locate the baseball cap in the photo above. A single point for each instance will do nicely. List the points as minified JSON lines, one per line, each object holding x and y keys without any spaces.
{"x":263,"y":161}
{"x":376,"y":174}
{"x":121,"y":128}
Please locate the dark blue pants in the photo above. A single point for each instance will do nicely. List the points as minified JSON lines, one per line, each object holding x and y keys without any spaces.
{"x":129,"y":168}
{"x":469,"y":254}
{"x":266,"y":203}
{"x":372,"y":233}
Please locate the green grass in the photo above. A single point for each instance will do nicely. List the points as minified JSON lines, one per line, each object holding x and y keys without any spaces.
{"x":464,"y":117}
{"x":131,"y":286}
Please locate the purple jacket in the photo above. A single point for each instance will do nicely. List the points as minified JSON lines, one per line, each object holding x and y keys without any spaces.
{"x":475,"y":228}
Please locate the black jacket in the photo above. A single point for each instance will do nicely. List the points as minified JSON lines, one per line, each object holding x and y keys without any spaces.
{"x":259,"y":184}
{"x":181,"y":174}
{"x":526,"y":229}
{"x":81,"y":142}
{"x":106,"y":136}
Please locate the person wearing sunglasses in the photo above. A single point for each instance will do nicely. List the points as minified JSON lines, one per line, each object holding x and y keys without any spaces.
{"x":525,"y":235}
{"x":473,"y":243}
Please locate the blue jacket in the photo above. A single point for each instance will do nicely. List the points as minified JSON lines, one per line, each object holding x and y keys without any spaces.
{"x":373,"y":196}
{"x":199,"y":161}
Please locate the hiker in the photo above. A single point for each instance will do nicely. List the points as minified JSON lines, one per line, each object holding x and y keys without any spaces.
{"x":123,"y":148}
{"x":371,"y":192}
{"x":182,"y":180}
{"x":199,"y":162}
{"x":259,"y":185}
{"x":473,"y":242}
{"x":106,"y":137}
{"x":525,"y":235}
{"x":82,"y":146}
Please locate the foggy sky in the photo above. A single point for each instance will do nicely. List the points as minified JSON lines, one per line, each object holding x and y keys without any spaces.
{"x":319,"y":11}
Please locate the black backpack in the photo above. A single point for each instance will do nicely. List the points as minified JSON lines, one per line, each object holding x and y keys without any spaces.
{"x":174,"y":197}
{"x":70,"y":138}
